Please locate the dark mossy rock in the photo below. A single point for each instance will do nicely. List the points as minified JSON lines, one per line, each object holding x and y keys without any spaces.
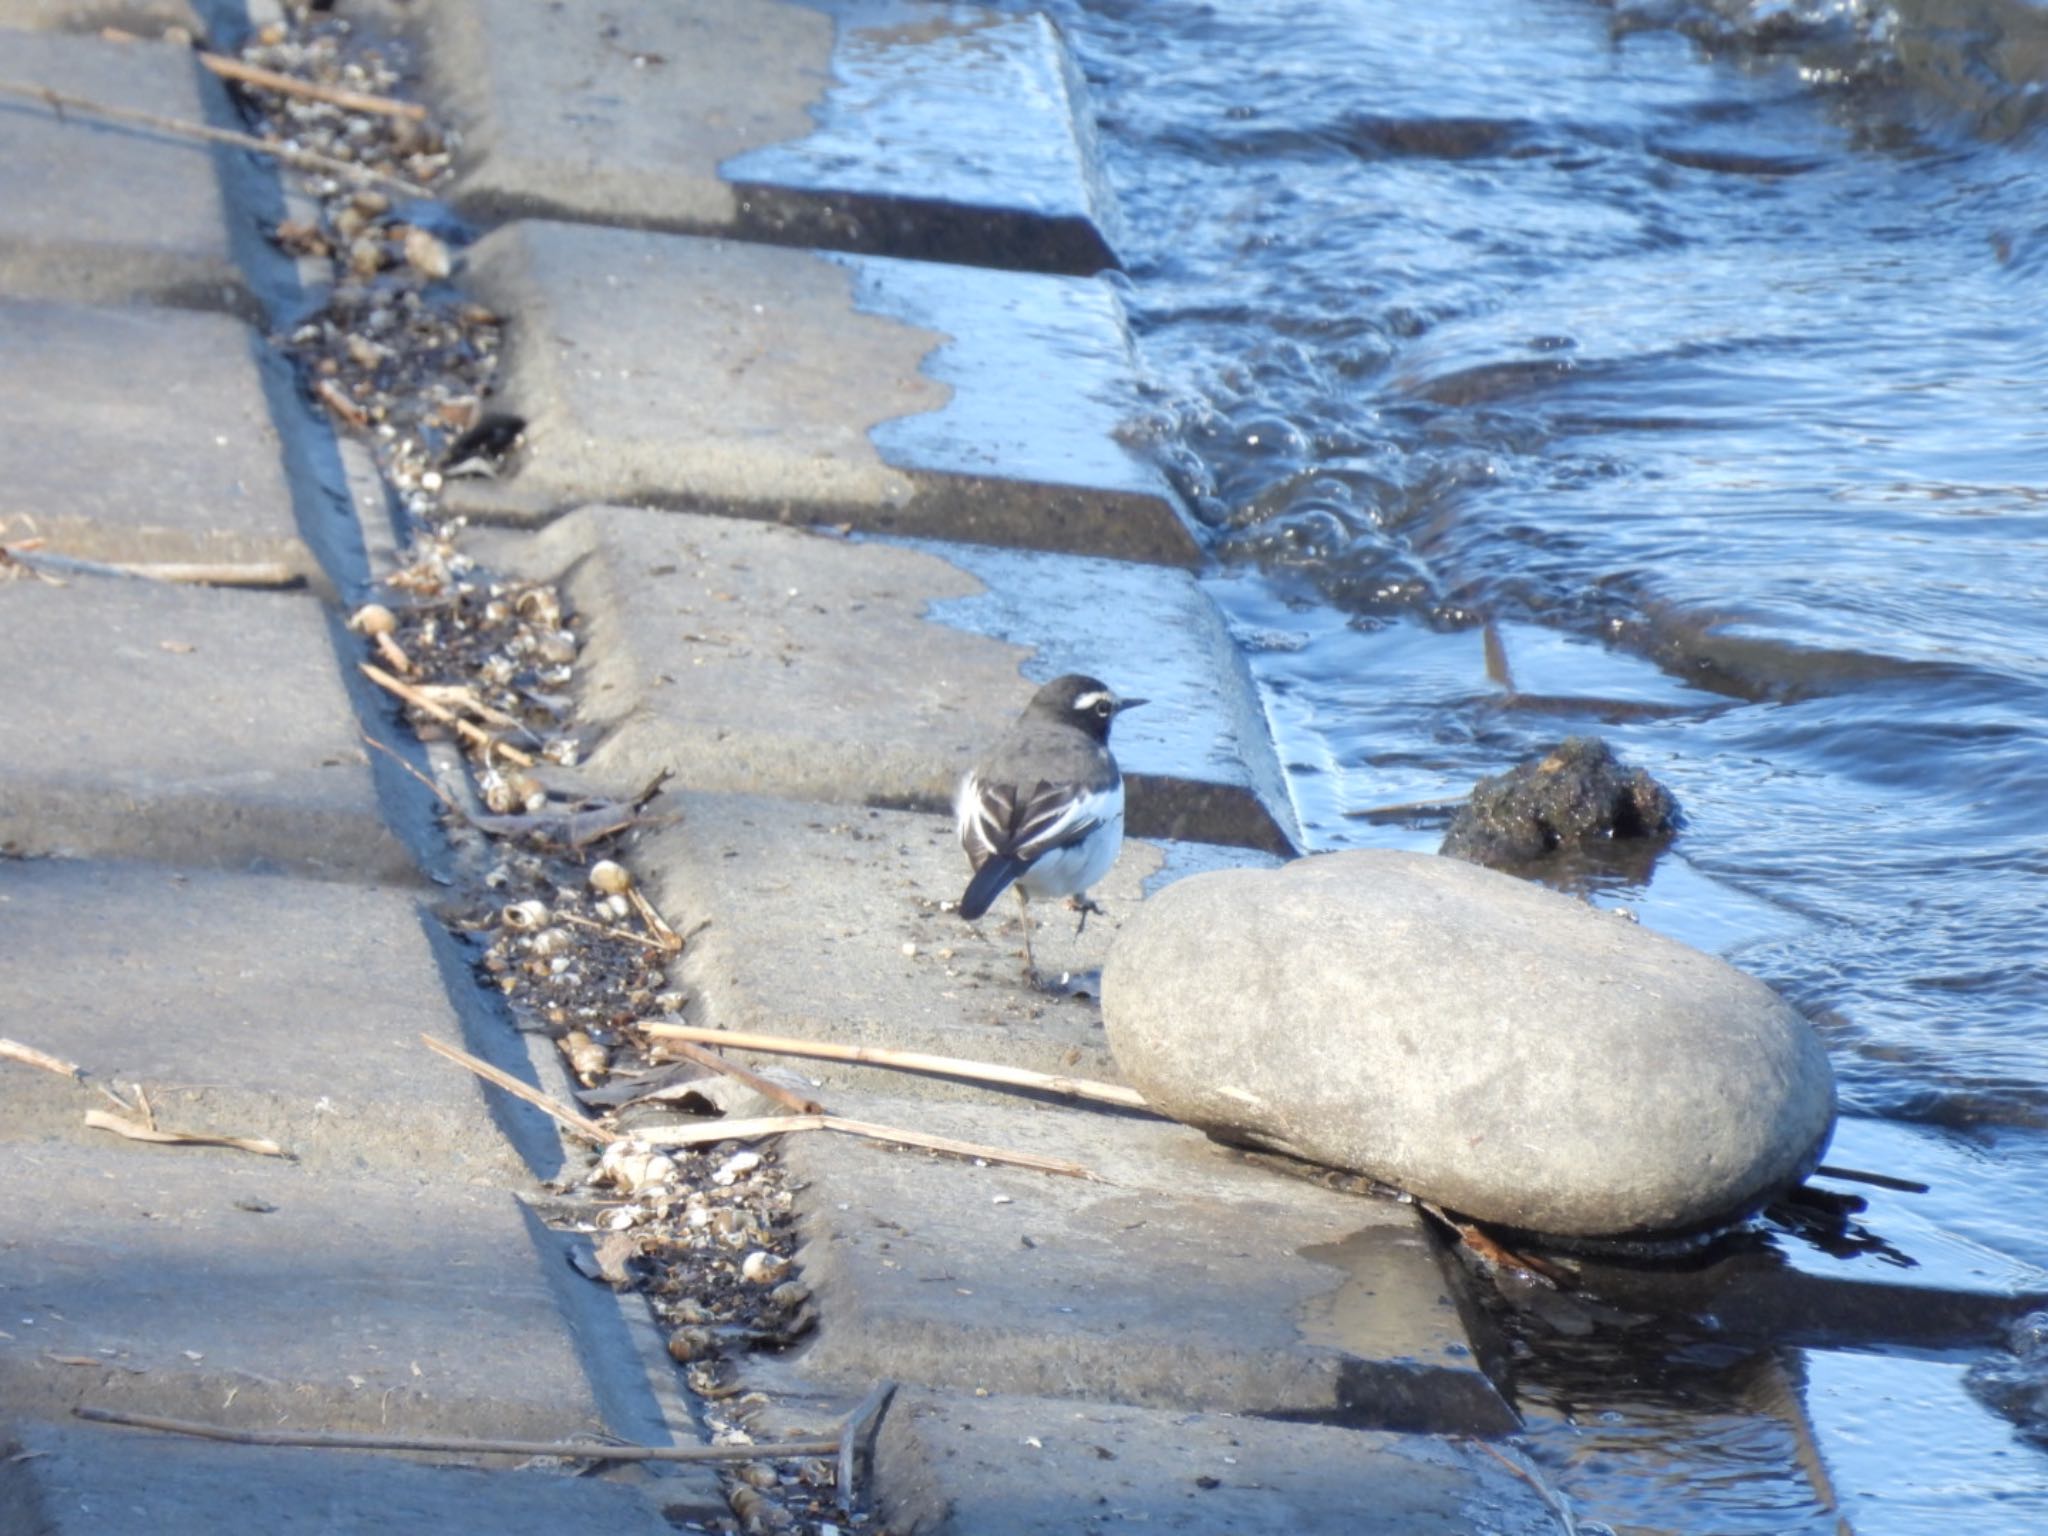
{"x":1576,"y":796}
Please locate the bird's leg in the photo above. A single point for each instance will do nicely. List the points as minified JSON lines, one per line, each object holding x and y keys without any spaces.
{"x":1024,"y":917}
{"x":1083,"y":903}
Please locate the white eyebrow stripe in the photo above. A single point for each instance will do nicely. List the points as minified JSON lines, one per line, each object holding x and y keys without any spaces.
{"x":1090,"y":700}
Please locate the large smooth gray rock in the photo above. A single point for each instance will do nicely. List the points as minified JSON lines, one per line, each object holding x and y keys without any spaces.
{"x":1482,"y":1042}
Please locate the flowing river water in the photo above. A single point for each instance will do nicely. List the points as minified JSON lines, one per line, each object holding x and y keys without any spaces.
{"x":1702,"y":351}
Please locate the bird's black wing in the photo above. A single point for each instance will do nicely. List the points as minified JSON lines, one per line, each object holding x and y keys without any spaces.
{"x":1005,"y":832}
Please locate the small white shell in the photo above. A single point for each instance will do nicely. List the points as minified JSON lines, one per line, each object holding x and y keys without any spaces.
{"x":739,"y":1164}
{"x":541,"y":606}
{"x":610,"y":878}
{"x":525,"y":916}
{"x":550,"y":941}
{"x":634,"y":1170}
{"x":373,"y":619}
{"x":763,"y":1268}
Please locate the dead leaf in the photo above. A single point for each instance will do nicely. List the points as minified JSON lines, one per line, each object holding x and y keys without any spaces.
{"x":615,"y":1252}
{"x":609,"y":1259}
{"x":100,"y":1120}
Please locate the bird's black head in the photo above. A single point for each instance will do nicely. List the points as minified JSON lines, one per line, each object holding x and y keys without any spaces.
{"x":1083,"y":702}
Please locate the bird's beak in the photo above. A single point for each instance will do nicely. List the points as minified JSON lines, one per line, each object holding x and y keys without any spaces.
{"x":1124,"y":704}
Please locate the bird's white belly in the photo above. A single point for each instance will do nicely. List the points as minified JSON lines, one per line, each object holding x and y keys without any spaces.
{"x":1065,"y":871}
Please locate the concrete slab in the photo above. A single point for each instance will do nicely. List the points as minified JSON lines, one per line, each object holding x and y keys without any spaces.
{"x":247,"y":1291}
{"x":185,"y":725}
{"x":145,"y":18}
{"x":133,"y":434}
{"x":108,"y":212}
{"x":1191,"y":1278}
{"x":899,"y":397}
{"x":942,"y":132}
{"x":247,"y":1005}
{"x":78,"y":1480}
{"x":952,"y":1465}
{"x":741,"y":656}
{"x":853,"y":893}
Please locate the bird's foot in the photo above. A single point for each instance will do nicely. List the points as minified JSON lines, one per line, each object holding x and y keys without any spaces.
{"x":1083,"y":904}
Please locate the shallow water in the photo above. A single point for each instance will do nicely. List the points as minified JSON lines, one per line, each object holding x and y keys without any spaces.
{"x":1701,"y":350}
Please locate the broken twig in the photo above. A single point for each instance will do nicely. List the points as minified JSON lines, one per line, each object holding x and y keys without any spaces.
{"x":1406,"y":808}
{"x":468,"y":730}
{"x":331,"y":395}
{"x":291,"y":154}
{"x":775,"y":1125}
{"x":610,"y":931}
{"x":29,"y":1056}
{"x":100,"y":1120}
{"x":795,"y":1103}
{"x":434,"y":789}
{"x":290,"y":85}
{"x":657,"y":926}
{"x":1880,"y":1180}
{"x":578,"y":829}
{"x":452,"y":1445}
{"x":908,"y":1061}
{"x":590,"y":1130}
{"x":191,"y":573}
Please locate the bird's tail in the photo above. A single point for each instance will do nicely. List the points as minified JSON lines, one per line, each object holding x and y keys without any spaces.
{"x":989,"y":882}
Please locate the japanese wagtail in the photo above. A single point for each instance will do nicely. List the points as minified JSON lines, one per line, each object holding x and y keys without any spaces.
{"x":1043,"y":813}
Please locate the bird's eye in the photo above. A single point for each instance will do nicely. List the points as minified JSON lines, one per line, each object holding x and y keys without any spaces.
{"x":1104,"y":709}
